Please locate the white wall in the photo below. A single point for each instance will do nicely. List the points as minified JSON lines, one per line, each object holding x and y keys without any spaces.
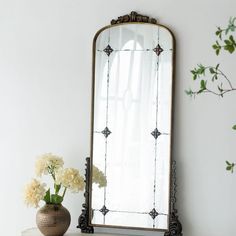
{"x":45,"y":80}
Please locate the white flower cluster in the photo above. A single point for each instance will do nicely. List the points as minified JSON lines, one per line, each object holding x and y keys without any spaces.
{"x":99,"y":177}
{"x":70,"y":178}
{"x":34,"y":192}
{"x":46,"y":163}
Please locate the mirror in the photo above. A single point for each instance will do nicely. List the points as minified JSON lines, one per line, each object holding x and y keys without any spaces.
{"x":131,"y":124}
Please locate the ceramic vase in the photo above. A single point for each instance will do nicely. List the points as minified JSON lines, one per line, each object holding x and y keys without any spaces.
{"x":53,"y":220}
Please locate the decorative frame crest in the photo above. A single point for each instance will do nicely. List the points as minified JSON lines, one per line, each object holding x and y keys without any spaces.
{"x":133,"y":17}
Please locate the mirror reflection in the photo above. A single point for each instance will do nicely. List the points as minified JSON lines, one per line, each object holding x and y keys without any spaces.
{"x":131,"y":130}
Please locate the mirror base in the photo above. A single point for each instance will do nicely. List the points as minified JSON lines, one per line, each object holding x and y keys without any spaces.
{"x":175,"y":227}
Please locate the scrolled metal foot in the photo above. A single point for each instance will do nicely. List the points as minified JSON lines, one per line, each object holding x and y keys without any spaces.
{"x":83,"y":221}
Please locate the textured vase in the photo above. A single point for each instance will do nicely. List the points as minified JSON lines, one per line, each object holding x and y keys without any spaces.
{"x":53,"y":220}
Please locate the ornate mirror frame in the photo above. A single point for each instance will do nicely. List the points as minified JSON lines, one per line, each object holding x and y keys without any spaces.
{"x":175,"y":227}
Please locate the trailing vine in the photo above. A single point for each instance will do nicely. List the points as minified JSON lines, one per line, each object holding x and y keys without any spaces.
{"x":212,"y":79}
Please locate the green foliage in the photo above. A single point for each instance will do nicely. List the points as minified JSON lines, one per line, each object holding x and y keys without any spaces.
{"x":56,"y":199}
{"x":189,"y":92}
{"x":214,"y":73}
{"x":47,"y":196}
{"x":217,"y":47}
{"x":201,"y":70}
{"x":197,"y":72}
{"x":228,"y":43}
{"x":202,"y":86}
{"x":219,"y":32}
{"x":57,"y":188}
{"x":231,"y":26}
{"x":53,"y":198}
{"x":230,"y":166}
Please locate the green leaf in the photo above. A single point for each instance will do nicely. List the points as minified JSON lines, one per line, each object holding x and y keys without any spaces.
{"x":231,"y":26}
{"x":227,"y":41}
{"x":217,"y":52}
{"x":219,"y":32}
{"x":212,"y":71}
{"x":227,"y":163}
{"x":234,"y":127}
{"x":214,"y":46}
{"x":57,"y":188}
{"x":229,"y":47}
{"x":201,"y":69}
{"x":56,"y":199}
{"x":230,"y":44}
{"x":231,"y":38}
{"x":217,"y":66}
{"x":228,"y":168}
{"x":47,"y":196}
{"x":220,"y":89}
{"x":194,"y":72}
{"x":189,"y":92}
{"x":203,"y":84}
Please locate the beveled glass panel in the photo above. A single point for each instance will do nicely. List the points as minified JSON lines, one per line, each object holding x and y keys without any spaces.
{"x":131,"y":134}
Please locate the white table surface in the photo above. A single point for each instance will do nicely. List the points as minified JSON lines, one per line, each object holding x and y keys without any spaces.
{"x":70,"y":232}
{"x":36,"y":232}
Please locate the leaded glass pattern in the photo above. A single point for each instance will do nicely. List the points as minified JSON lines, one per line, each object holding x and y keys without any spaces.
{"x":119,"y":96}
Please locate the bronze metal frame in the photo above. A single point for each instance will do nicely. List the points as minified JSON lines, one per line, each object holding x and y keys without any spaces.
{"x":84,"y":217}
{"x":175,"y":227}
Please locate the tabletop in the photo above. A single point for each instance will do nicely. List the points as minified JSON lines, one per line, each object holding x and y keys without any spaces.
{"x":70,"y":232}
{"x":36,"y":232}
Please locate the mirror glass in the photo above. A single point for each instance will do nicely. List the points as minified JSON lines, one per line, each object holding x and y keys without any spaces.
{"x":131,"y":125}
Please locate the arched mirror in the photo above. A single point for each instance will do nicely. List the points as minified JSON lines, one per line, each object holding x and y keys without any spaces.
{"x":133,"y":61}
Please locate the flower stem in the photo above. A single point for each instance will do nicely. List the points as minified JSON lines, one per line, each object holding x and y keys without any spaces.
{"x":64,"y":192}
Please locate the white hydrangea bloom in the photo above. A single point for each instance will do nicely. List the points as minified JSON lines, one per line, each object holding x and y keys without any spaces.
{"x":99,"y":178}
{"x":46,"y":162}
{"x":70,"y":178}
{"x":34,"y":192}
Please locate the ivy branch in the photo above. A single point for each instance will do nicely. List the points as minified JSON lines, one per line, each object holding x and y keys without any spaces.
{"x":226,"y":41}
{"x":230,"y":166}
{"x":215,"y":74}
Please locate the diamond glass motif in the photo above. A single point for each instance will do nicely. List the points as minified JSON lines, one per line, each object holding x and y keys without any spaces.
{"x":153,"y":213}
{"x":158,"y":49}
{"x":104,"y":210}
{"x":106,"y":132}
{"x":108,"y":50}
{"x":155,"y":133}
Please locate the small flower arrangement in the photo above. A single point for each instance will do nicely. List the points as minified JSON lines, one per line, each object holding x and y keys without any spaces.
{"x":98,"y":177}
{"x":63,"y":179}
